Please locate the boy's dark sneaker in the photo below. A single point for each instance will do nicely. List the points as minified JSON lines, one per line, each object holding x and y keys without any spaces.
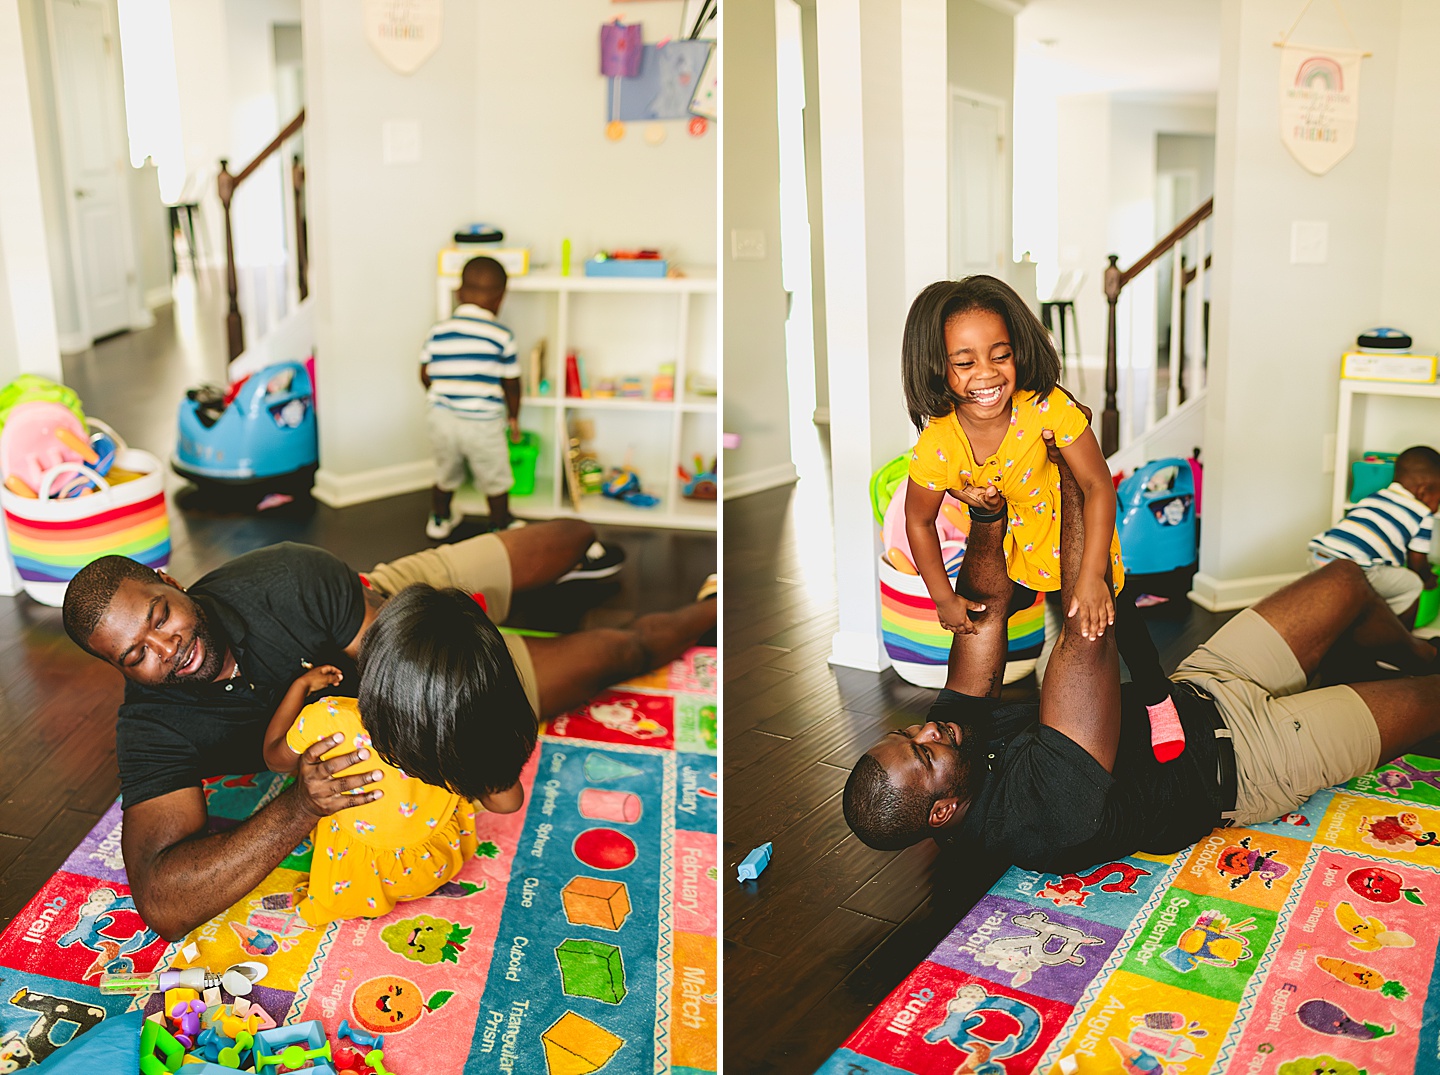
{"x":600,"y":562}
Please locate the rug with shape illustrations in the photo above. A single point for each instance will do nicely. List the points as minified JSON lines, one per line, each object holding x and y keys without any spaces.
{"x":1306,"y":944}
{"x":580,"y":938}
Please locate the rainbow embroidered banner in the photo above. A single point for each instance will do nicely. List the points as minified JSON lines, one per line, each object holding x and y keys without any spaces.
{"x":1319,"y":104}
{"x":1303,"y":945}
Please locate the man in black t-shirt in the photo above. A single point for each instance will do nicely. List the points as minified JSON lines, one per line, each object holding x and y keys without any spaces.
{"x":207,"y":666}
{"x":1058,"y":786}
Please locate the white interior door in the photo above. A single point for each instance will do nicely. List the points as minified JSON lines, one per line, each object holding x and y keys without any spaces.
{"x":93,"y":152}
{"x":975,"y":151}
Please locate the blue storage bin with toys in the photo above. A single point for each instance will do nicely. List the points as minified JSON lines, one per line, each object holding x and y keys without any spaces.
{"x":1370,"y":473}
{"x":1156,"y":518}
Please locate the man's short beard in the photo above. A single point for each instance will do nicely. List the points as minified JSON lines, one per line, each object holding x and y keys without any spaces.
{"x":970,"y":748}
{"x":215,"y":645}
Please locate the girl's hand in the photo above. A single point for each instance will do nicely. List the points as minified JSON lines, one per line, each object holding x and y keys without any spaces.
{"x":954,"y":614}
{"x":326,"y":675}
{"x":1091,"y":606}
{"x":986,"y":498}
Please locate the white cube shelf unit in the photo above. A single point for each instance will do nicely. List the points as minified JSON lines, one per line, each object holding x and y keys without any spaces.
{"x":619,"y":327}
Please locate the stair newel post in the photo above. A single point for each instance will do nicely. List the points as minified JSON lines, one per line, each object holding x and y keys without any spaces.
{"x":302,"y":245}
{"x":235,"y":331}
{"x":1110,"y":417}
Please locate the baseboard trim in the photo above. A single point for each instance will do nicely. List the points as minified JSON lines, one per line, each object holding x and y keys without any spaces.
{"x":71,"y":343}
{"x":757,"y":481}
{"x":343,"y":490}
{"x":1226,"y":595}
{"x":158,"y":296}
{"x":853,"y":649}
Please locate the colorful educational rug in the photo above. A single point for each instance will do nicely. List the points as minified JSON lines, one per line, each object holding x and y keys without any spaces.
{"x":1304,"y":945}
{"x":580,"y":939}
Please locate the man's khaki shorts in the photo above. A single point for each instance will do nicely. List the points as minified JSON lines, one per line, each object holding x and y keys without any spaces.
{"x":476,"y":565}
{"x":1289,"y":742}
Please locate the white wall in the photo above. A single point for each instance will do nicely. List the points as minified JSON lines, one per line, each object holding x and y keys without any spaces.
{"x":757,"y":401}
{"x":1412,"y":224}
{"x":1277,"y":329}
{"x":546,"y":170}
{"x":375,"y":229}
{"x":516,"y":140}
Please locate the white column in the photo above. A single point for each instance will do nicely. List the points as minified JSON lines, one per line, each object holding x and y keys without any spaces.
{"x":883,"y":94}
{"x":28,"y":341}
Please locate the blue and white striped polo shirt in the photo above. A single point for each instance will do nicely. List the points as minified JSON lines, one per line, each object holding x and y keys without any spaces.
{"x":467,"y":357}
{"x":1378,"y":530}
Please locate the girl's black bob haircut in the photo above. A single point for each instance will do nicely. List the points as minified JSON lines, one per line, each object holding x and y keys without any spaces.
{"x":923,"y":359}
{"x":439,"y":694}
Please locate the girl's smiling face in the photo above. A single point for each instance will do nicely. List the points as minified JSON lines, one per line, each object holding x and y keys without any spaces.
{"x":980,"y":364}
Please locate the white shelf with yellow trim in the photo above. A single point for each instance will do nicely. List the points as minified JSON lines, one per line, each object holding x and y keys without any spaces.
{"x":1355,"y":396}
{"x":613,"y":316}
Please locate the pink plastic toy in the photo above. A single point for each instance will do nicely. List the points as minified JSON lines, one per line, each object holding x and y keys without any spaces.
{"x":30,"y":443}
{"x":952,"y":537}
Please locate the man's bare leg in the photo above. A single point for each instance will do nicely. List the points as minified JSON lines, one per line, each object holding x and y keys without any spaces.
{"x":570,"y":670}
{"x":977,"y":661}
{"x":541,"y":552}
{"x":1081,"y":693}
{"x":1336,"y":603}
{"x":1405,"y":711}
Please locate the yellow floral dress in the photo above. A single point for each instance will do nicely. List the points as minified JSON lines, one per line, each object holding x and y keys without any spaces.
{"x":402,"y":846}
{"x":1022,"y":471}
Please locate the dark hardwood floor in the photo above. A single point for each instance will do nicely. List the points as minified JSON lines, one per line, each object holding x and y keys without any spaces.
{"x":831,"y":926}
{"x":57,"y":705}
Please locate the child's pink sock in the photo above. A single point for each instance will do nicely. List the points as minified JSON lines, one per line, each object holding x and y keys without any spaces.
{"x":1167,"y":737}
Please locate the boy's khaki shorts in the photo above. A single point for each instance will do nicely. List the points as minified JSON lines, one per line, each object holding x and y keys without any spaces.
{"x":476,"y":565}
{"x":481,"y":443}
{"x":1289,"y":742}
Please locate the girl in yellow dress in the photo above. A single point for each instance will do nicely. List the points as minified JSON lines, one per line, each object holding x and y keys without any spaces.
{"x":981,"y":379}
{"x":439,"y":754}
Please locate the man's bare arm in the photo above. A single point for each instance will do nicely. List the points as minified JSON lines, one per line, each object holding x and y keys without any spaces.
{"x":181,"y":878}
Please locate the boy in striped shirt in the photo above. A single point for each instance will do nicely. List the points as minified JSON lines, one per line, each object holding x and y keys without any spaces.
{"x":1388,"y":533}
{"x":469,"y":366}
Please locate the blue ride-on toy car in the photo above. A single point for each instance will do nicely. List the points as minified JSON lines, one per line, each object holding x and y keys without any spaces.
{"x":259,"y":433}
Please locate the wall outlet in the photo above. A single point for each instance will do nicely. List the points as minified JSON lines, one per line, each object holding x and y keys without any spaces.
{"x":401,"y":141}
{"x":1327,"y":454}
{"x":747,"y":244}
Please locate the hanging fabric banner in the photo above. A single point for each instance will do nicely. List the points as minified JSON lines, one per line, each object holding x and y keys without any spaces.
{"x":405,"y":33}
{"x":1319,"y":104}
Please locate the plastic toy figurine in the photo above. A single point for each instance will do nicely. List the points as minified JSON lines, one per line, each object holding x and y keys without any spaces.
{"x":624,"y":484}
{"x":703,"y":484}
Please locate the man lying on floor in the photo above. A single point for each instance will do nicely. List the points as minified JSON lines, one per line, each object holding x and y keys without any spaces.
{"x":206,"y":667}
{"x":1072,"y":781}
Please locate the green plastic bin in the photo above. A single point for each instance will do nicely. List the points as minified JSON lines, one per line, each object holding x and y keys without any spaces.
{"x":522,"y":463}
{"x":1428,"y":608}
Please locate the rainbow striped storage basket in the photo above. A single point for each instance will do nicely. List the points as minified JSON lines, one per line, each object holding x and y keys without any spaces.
{"x":50,"y":540}
{"x":919,"y":647}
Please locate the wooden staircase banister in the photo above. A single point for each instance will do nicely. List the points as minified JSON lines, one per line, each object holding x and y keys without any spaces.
{"x":226,"y":184}
{"x":1115,"y":281}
